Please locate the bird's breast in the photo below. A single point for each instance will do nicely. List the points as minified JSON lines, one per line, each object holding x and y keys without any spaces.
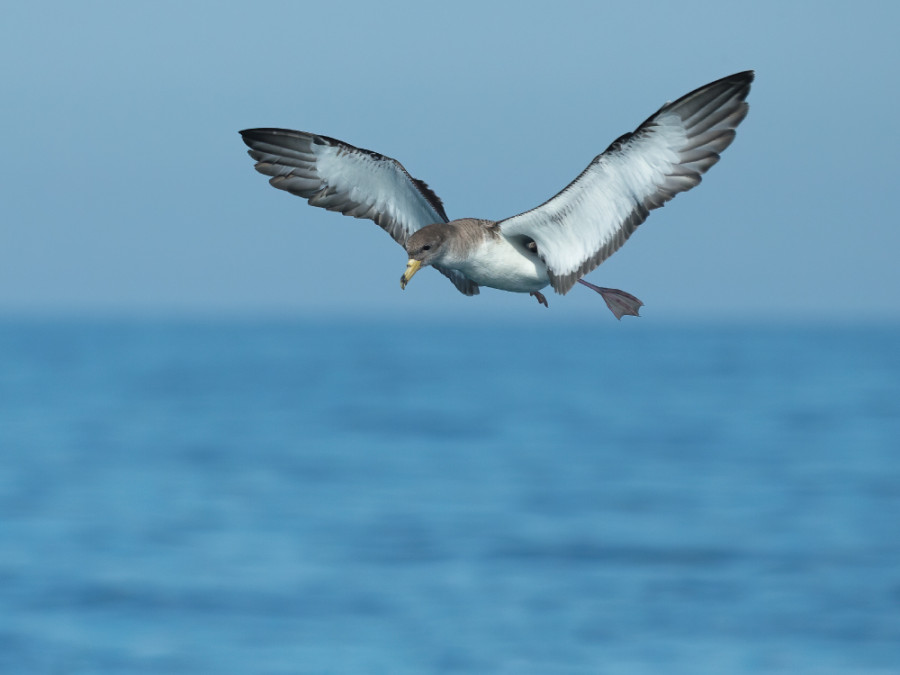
{"x":505,"y":265}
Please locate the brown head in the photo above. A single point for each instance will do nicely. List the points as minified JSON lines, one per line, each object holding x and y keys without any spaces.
{"x":425,"y":247}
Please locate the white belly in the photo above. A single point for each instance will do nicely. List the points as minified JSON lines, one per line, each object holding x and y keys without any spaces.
{"x":500,"y":263}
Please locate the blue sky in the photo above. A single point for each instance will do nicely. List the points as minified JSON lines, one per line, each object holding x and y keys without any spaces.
{"x":126,"y":188}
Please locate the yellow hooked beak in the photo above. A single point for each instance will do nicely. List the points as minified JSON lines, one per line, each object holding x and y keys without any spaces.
{"x":411,"y":268}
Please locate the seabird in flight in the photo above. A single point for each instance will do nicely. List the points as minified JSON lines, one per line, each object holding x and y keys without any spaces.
{"x":554,"y":244}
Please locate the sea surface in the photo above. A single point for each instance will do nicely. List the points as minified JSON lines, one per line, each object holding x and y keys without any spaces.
{"x":360,"y":497}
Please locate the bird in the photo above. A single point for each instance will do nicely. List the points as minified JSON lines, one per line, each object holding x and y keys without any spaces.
{"x":554,"y":244}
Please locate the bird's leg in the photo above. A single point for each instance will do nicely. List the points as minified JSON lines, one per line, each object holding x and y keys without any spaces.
{"x":619,"y":302}
{"x":540,"y":298}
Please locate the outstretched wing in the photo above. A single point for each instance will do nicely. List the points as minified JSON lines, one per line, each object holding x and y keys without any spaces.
{"x":590,"y":219}
{"x":341,"y":177}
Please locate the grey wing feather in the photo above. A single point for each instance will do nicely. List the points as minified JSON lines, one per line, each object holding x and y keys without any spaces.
{"x":341,"y":177}
{"x":590,"y":219}
{"x":337,"y":176}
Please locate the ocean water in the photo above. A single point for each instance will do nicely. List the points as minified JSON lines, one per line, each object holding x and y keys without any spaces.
{"x":370,"y":497}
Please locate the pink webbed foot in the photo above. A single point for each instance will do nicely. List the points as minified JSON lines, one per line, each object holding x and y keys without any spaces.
{"x":619,"y":302}
{"x":540,"y":298}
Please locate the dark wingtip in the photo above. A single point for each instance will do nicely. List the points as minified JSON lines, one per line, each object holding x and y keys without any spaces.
{"x":743,"y":77}
{"x":250,"y":135}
